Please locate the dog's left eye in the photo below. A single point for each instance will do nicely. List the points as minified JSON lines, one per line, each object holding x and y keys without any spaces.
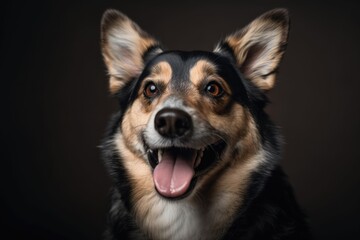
{"x":151,"y":90}
{"x":214,"y":89}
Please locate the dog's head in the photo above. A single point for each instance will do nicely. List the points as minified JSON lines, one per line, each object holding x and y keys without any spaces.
{"x":188,"y":114}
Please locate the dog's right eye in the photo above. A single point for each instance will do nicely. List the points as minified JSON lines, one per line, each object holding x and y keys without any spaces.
{"x":151,"y":90}
{"x":214,"y":89}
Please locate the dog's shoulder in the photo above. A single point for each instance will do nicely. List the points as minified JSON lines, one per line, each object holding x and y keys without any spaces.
{"x":121,"y":224}
{"x":274,"y":212}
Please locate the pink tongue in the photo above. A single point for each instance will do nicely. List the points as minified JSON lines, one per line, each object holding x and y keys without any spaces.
{"x":172,"y":176}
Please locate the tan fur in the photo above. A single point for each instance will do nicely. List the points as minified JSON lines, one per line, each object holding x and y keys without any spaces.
{"x":123,"y":45}
{"x":161,"y":72}
{"x":258,"y":49}
{"x":202,"y":70}
{"x":206,"y":71}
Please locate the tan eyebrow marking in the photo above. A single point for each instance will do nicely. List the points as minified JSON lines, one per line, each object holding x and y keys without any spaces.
{"x":201,"y":70}
{"x":162,"y":72}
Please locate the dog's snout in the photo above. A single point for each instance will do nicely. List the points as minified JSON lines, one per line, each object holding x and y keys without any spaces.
{"x":173,"y":123}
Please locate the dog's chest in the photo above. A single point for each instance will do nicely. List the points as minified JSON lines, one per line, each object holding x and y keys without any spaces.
{"x":180,"y":220}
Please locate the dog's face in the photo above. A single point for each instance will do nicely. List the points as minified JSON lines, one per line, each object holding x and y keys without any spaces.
{"x":180,"y":116}
{"x":187,"y":115}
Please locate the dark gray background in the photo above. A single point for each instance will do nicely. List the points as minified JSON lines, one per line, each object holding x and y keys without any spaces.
{"x":55,"y":106}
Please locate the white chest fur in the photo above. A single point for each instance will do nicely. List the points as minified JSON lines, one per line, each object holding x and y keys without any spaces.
{"x":177,"y":220}
{"x":186,"y":219}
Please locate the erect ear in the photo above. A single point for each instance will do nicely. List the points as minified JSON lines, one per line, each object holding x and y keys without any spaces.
{"x":259,"y":47}
{"x":124,"y":47}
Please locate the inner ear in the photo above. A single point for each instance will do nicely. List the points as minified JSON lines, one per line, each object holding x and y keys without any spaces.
{"x":125,"y":48}
{"x":252,"y":55}
{"x":258,"y":48}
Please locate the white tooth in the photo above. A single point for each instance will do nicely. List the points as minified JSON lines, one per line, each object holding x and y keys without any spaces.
{"x":199,"y":157}
{"x":198,"y":161}
{"x":160,"y":153}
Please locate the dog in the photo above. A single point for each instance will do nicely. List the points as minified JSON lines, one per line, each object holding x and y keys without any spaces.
{"x":191,"y":151}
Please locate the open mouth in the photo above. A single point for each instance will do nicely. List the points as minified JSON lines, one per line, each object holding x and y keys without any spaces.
{"x":177,"y":169}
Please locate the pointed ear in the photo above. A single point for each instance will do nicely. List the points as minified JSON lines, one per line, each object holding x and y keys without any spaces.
{"x":259,"y":47}
{"x":124,"y":47}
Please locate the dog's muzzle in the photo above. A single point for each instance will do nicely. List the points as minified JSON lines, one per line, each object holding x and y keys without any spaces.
{"x":177,"y":166}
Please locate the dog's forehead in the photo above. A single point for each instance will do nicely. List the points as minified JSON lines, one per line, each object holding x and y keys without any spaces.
{"x":184,"y":59}
{"x":185,"y":65}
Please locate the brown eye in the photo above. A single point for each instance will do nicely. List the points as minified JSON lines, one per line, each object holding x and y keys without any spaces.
{"x":214,"y":89}
{"x":151,"y":90}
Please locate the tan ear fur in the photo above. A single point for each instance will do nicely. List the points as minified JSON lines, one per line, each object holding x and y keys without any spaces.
{"x":123,"y":45}
{"x":259,"y":47}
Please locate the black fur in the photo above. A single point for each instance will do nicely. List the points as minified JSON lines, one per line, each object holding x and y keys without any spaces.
{"x":272,"y":213}
{"x":270,"y":210}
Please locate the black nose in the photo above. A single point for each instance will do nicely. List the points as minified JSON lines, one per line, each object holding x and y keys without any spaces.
{"x":173,"y":123}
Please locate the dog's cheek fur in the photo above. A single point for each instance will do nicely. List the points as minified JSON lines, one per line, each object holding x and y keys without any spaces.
{"x":236,"y":117}
{"x":242,"y":156}
{"x":229,"y":113}
{"x":226,"y":186}
{"x":138,"y":170}
{"x":133,"y":123}
{"x":130,"y":146}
